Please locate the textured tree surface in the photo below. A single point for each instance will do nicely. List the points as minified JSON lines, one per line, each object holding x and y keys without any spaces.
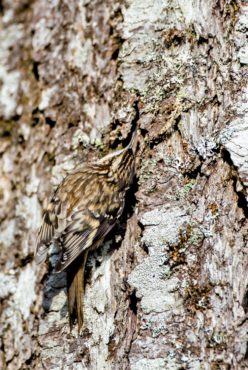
{"x":168,"y":289}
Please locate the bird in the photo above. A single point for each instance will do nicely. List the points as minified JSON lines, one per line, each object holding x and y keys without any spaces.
{"x":83,"y":210}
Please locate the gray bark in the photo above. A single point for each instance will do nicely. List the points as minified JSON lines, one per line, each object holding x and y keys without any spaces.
{"x":169,"y":289}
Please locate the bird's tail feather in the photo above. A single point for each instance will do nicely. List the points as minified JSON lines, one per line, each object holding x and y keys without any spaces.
{"x":75,"y":290}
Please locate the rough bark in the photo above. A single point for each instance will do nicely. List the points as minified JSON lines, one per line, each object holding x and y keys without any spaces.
{"x":168,"y":290}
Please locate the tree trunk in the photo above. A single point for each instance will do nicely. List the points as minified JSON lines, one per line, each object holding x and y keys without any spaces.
{"x":168,"y":289}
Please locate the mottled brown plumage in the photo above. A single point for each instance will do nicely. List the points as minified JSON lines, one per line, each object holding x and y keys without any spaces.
{"x":83,"y":210}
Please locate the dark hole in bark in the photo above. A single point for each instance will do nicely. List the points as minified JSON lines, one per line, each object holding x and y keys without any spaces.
{"x":193,"y":174}
{"x":133,"y":303}
{"x":227,"y":158}
{"x":245,"y":301}
{"x":20,"y":139}
{"x":98,"y":263}
{"x":242,"y":203}
{"x":16,"y":117}
{"x":130,"y":199}
{"x":246,"y":353}
{"x":35,"y":111}
{"x":35,"y":116}
{"x":36,"y":71}
{"x":26,"y":260}
{"x":143,"y":245}
{"x":146,"y":249}
{"x":115,"y":54}
{"x":202,"y":40}
{"x":50,"y":122}
{"x":31,"y":359}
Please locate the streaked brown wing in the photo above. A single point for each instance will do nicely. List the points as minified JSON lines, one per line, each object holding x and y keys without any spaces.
{"x":73,"y":247}
{"x":54,"y":220}
{"x":79,"y":216}
{"x":45,"y":236}
{"x":108,"y":221}
{"x":75,"y":239}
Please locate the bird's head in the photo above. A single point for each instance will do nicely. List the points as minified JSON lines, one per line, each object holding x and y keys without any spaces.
{"x":122,"y":162}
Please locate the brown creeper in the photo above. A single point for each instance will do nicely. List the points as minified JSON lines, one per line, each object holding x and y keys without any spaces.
{"x":83,"y":210}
